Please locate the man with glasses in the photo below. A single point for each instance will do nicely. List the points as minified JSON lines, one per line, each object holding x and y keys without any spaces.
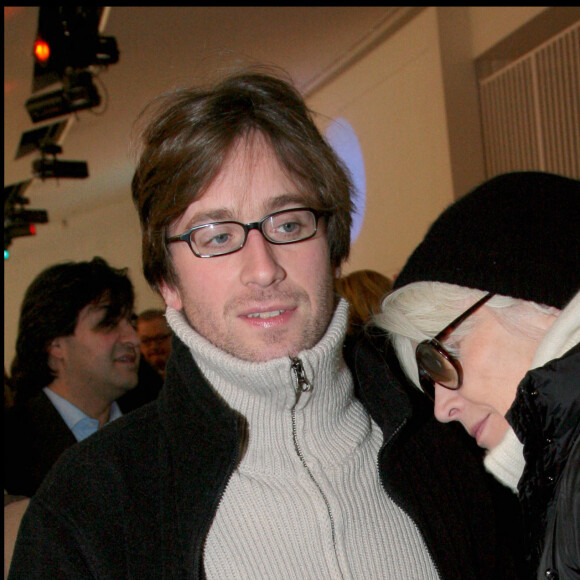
{"x":274,"y":450}
{"x":503,"y":263}
{"x":155,"y":339}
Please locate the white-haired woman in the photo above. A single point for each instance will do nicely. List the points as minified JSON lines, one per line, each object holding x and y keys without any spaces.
{"x":485,"y":319}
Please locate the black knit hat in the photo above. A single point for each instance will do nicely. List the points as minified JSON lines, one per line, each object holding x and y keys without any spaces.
{"x":517,"y":234}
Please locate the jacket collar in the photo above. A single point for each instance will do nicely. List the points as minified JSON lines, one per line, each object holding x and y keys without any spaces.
{"x":201,"y":446}
{"x":545,"y":412}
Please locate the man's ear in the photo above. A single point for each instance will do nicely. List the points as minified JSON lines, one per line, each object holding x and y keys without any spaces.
{"x":171,"y":296}
{"x":54,"y":348}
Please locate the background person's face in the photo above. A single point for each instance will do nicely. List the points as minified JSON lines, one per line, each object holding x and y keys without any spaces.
{"x":494,"y":362}
{"x":155,"y":337}
{"x":99,"y":361}
{"x":264,"y":301}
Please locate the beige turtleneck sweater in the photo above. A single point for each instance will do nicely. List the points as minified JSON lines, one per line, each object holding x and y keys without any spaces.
{"x":305,"y":501}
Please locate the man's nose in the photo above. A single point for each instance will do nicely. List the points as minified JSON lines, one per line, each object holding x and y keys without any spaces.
{"x":128,"y":334}
{"x":261,"y":265}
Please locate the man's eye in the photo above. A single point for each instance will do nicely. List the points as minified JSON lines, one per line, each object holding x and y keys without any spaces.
{"x":107,"y":326}
{"x":217,"y":240}
{"x":289,"y":227}
{"x":218,"y":236}
{"x":289,"y":230}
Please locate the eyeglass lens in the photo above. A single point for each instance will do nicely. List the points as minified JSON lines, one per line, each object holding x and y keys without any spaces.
{"x":427,"y":384}
{"x":437,"y":366}
{"x":280,"y":228}
{"x":157,"y":339}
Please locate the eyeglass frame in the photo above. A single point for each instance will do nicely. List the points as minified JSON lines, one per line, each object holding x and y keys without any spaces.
{"x":426,"y":381}
{"x":157,"y":339}
{"x":186,"y":236}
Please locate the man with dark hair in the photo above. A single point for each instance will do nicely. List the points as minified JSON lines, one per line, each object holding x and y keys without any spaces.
{"x":155,"y":346}
{"x":274,"y":450}
{"x":155,"y":336}
{"x":77,"y":352}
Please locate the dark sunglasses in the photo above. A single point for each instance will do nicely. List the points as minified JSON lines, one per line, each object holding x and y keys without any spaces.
{"x":437,"y":365}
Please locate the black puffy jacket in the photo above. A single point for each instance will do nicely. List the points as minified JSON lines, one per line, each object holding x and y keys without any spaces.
{"x":546,"y":418}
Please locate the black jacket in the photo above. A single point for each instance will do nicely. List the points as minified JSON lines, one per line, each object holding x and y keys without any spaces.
{"x":137,"y":499}
{"x":35,"y":435}
{"x":546,"y":418}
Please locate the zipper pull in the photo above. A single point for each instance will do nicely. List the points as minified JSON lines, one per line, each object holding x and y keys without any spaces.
{"x":303,"y":384}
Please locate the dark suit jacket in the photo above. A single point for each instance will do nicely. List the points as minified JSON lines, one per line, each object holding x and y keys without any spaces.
{"x":147,"y":389}
{"x":35,"y":436}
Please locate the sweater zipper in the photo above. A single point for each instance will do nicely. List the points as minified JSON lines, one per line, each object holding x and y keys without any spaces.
{"x":303,"y":385}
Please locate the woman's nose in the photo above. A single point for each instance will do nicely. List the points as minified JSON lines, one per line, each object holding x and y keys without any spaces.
{"x":448,"y":404}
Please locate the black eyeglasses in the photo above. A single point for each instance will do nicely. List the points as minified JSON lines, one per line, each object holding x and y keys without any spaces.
{"x":157,"y":339}
{"x":281,"y":227}
{"x":437,"y":365}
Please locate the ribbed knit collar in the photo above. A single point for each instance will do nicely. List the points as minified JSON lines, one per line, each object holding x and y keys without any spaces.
{"x":332,"y":422}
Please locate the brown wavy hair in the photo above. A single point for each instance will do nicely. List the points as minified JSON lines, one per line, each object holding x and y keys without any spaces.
{"x":192,"y":131}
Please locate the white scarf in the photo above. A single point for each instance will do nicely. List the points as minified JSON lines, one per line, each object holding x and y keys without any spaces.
{"x":506,"y":460}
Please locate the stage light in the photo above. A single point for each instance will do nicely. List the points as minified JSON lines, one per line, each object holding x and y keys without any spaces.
{"x":68,"y":39}
{"x":20,"y":229}
{"x":107,"y":52}
{"x":53,"y":168}
{"x":19,"y":222}
{"x":14,"y":195}
{"x":78,"y":93}
{"x":29,"y":217}
{"x":42,"y":137}
{"x":41,"y":50}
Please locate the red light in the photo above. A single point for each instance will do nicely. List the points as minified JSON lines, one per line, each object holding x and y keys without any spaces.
{"x":41,"y":50}
{"x":32,"y":229}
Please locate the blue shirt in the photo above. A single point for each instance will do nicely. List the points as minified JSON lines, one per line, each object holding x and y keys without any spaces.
{"x":78,"y":422}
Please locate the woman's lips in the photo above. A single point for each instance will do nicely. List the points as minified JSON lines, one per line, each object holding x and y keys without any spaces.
{"x":477,"y":430}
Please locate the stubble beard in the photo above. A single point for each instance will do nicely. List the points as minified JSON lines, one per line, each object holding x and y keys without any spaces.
{"x":273,"y":344}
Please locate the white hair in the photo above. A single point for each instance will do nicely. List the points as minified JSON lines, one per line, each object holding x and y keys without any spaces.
{"x":420,"y":310}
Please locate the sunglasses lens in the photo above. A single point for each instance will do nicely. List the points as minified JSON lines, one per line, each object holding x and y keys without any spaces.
{"x":438,"y":367}
{"x":427,"y":384}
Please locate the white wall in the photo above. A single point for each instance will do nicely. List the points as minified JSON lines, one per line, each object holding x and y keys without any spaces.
{"x":413,"y":103}
{"x":397,"y":99}
{"x":490,"y":24}
{"x":394,"y":99}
